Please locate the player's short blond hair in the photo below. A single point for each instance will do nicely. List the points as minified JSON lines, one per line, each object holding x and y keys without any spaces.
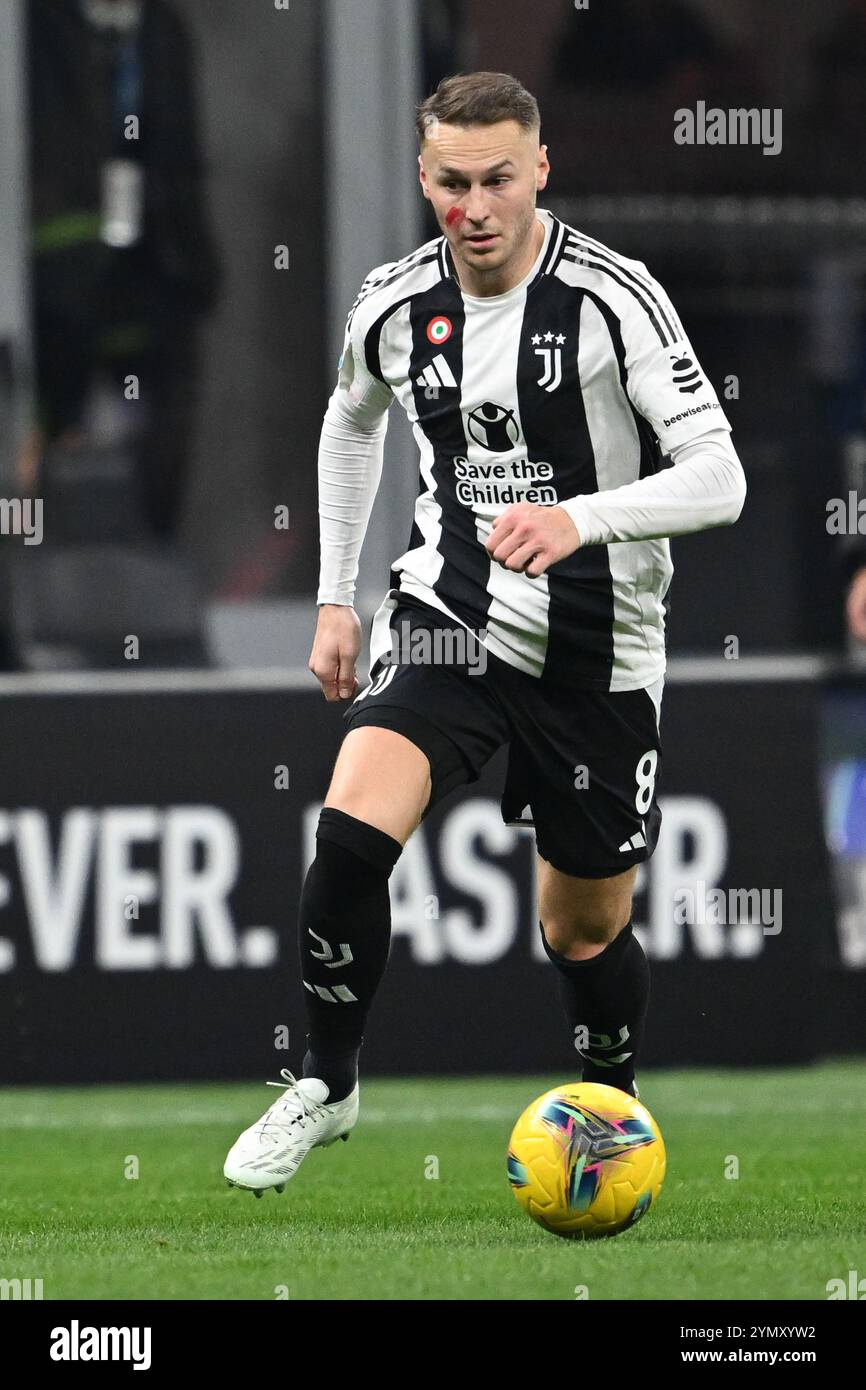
{"x":478,"y":98}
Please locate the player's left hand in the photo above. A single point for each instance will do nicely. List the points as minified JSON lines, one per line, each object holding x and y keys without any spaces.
{"x":856,"y":606}
{"x":530,"y":538}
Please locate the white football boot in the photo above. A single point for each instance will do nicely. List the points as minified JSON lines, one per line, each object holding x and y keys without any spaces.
{"x":270,"y":1151}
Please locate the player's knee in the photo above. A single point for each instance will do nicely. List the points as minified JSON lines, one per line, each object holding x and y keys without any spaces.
{"x":582,"y":930}
{"x":397,"y":818}
{"x":339,"y":834}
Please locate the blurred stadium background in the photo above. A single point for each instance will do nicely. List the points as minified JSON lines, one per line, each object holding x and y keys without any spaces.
{"x":171,"y":313}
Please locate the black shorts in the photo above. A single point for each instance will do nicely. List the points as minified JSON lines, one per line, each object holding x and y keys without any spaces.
{"x":583,"y":765}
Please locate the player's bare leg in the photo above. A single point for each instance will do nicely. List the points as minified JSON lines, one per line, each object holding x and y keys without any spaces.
{"x":381,"y":778}
{"x":581,"y":915}
{"x":604,"y":976}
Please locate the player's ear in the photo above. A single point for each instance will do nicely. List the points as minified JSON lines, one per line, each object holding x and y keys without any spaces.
{"x":422,"y":176}
{"x":542,"y":168}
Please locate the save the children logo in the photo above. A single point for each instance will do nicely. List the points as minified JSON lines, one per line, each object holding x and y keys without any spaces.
{"x":494,"y":427}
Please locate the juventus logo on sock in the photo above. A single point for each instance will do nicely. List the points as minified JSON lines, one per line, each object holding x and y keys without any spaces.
{"x":327,"y":955}
{"x":336,"y":994}
{"x":600,"y":1043}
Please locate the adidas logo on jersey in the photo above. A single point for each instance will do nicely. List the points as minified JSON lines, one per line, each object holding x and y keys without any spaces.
{"x":434,"y":376}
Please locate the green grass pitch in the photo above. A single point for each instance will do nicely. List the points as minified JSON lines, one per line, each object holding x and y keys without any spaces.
{"x":362,"y":1221}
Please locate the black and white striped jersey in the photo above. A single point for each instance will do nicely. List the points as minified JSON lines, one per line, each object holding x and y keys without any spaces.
{"x":574,"y":382}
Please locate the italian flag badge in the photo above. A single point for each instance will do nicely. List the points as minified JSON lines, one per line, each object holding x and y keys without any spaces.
{"x":439,"y":329}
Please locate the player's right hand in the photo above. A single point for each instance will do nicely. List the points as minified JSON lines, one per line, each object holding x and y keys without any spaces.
{"x":336,"y":647}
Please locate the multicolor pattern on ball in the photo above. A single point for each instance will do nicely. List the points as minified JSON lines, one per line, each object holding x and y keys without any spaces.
{"x":586,"y":1160}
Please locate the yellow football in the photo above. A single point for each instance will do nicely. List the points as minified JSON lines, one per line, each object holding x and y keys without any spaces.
{"x":586,"y":1160}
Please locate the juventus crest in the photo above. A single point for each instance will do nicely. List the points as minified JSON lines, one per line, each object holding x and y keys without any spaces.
{"x":551,"y":357}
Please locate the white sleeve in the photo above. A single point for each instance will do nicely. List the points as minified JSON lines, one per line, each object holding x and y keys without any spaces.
{"x":665,"y":382}
{"x":706,"y":487}
{"x":666,"y":385}
{"x":351,"y":449}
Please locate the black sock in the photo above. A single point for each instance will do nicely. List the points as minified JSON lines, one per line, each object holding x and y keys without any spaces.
{"x":607,"y":996}
{"x":344,"y":937}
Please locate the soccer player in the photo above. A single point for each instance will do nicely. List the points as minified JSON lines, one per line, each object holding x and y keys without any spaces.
{"x":546,"y":378}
